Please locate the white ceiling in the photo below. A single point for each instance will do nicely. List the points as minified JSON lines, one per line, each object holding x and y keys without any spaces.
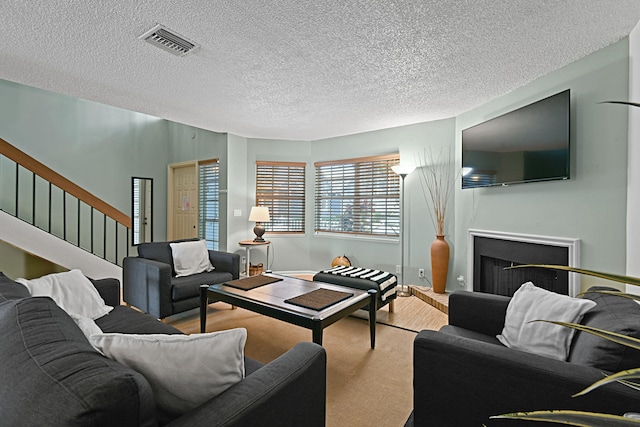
{"x":301,"y":69}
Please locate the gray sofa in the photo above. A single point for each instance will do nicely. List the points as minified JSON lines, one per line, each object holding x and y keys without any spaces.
{"x":51,"y":375}
{"x":149,"y":280}
{"x":462,"y":374}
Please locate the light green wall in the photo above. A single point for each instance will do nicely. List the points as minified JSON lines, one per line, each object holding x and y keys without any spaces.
{"x":633,"y":185}
{"x":94,"y":144}
{"x":17,"y":263}
{"x":188,"y":143}
{"x":288,"y":252}
{"x":411,"y":142}
{"x":238,"y":193}
{"x":591,"y":205}
{"x":102,"y":147}
{"x":315,"y":252}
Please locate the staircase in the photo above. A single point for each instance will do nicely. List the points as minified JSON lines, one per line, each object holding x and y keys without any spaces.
{"x":45,"y":214}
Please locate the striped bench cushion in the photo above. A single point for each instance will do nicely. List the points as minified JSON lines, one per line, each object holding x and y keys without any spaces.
{"x":386,"y":281}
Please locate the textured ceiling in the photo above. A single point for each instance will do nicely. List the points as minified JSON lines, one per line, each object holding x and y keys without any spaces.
{"x":301,"y":69}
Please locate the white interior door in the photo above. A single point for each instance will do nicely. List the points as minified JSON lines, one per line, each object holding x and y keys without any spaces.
{"x":183,"y":197}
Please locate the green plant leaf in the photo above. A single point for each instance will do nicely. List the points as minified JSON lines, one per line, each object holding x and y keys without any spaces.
{"x":633,"y":104}
{"x":613,"y":277}
{"x":623,"y":376}
{"x":573,"y":418}
{"x":630,"y":384}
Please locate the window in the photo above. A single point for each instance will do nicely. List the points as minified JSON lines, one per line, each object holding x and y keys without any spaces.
{"x":209,"y":197}
{"x":479,"y":178}
{"x":280,"y":186}
{"x":358,"y":196}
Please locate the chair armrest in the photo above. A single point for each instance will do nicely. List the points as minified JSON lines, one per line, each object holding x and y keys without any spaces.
{"x":461,"y":381}
{"x":478,"y":311}
{"x":109,"y":290}
{"x":146,"y":284}
{"x":289,"y":391}
{"x":226,"y":261}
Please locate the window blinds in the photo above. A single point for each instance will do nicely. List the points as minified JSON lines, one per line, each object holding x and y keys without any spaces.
{"x":358,"y":196}
{"x":280,"y":186}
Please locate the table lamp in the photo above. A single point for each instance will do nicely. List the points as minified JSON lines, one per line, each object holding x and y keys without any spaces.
{"x":259,"y":214}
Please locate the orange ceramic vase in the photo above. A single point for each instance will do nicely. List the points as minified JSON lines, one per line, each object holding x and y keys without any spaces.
{"x":439,"y":264}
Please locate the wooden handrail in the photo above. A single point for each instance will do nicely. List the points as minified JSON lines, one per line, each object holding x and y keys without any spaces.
{"x":63,"y":183}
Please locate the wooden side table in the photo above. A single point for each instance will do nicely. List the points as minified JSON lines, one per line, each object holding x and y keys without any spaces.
{"x":250,"y":244}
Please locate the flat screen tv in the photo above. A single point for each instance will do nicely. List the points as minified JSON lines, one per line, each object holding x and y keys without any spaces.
{"x":529,"y":144}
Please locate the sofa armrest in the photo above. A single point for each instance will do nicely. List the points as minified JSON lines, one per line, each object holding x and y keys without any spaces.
{"x":289,"y":391}
{"x":109,"y":290}
{"x":460,"y":381}
{"x":478,"y":311}
{"x":146,"y":284}
{"x":226,"y":261}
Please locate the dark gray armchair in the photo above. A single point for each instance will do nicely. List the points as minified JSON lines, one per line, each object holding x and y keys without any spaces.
{"x":149,"y":280}
{"x":462,"y":374}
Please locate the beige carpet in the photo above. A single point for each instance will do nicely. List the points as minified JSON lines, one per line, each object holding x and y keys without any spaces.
{"x":365,"y":387}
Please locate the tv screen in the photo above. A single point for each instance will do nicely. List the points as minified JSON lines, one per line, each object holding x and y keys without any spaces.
{"x":524,"y":145}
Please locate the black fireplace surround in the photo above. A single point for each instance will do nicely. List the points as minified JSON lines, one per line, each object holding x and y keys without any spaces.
{"x":491,"y":256}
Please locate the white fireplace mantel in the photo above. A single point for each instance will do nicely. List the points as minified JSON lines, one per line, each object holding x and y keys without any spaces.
{"x":572,"y":245}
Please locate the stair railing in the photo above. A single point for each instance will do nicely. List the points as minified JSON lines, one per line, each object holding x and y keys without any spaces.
{"x":36,"y":194}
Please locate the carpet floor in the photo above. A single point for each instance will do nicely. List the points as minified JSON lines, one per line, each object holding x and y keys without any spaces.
{"x":365,"y":387}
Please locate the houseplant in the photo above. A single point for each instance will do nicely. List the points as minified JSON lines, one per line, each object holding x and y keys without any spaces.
{"x":437,"y":179}
{"x":627,"y":377}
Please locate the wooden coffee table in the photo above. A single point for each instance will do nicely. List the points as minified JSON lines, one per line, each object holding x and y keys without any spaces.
{"x":270,"y":300}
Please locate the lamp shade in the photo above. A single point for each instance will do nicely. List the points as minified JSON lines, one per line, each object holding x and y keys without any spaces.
{"x":259,"y":214}
{"x":403,"y":169}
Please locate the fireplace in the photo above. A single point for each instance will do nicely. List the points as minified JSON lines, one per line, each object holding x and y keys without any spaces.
{"x":489,"y":252}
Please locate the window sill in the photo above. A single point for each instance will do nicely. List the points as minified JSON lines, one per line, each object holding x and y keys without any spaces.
{"x":359,"y":237}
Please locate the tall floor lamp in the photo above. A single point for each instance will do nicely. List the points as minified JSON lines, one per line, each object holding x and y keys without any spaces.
{"x":402,"y":171}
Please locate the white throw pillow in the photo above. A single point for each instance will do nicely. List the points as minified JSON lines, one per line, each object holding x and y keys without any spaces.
{"x":72,"y":291}
{"x":190,"y":257}
{"x":184,"y":370}
{"x":86,"y":325}
{"x":531,"y":303}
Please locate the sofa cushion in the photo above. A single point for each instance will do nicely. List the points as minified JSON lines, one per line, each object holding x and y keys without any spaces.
{"x":215,"y":362}
{"x":126,"y":320}
{"x":72,"y":291}
{"x":523,"y":332}
{"x":159,"y":251}
{"x":468,"y":333}
{"x":190,"y":258}
{"x":189,"y":286}
{"x":614,"y":314}
{"x":11,"y":290}
{"x":50,"y":373}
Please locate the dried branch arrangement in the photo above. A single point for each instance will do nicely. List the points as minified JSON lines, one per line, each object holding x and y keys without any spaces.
{"x":437,"y":178}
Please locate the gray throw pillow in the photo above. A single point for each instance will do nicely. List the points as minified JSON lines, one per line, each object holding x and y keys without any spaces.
{"x":523,"y":330}
{"x":614,"y":314}
{"x":184,"y":370}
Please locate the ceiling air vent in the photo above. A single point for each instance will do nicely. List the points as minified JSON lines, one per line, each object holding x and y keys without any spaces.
{"x":168,"y":40}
